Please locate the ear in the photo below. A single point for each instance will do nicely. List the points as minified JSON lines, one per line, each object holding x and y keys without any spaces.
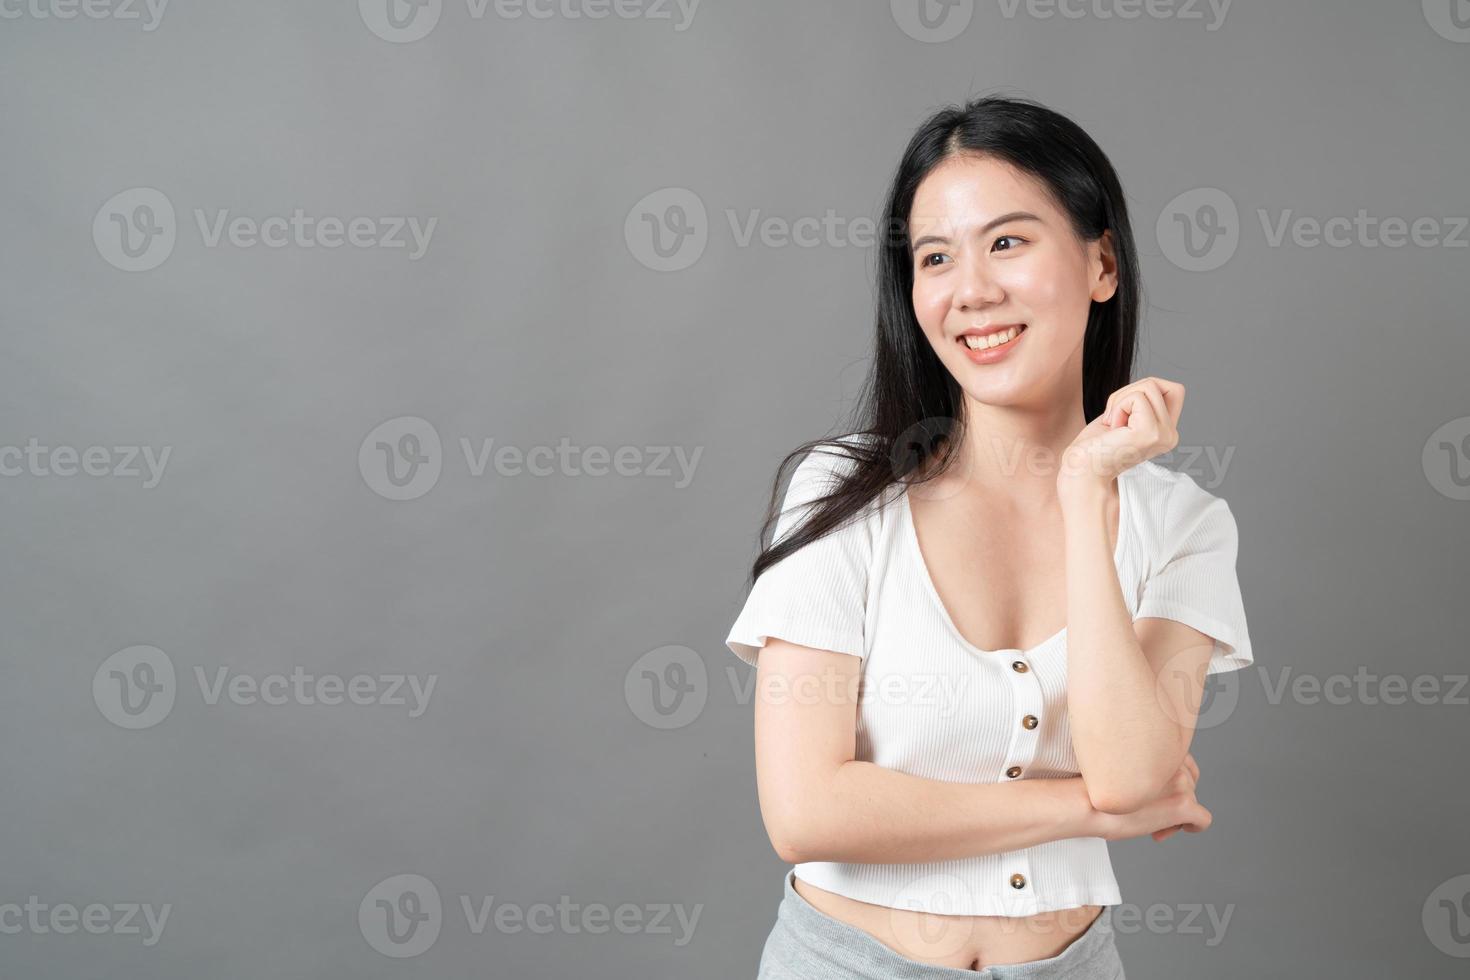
{"x":1102,"y":267}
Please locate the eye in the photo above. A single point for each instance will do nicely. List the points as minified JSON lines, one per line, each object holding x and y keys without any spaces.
{"x":924,"y":263}
{"x":1003,"y":238}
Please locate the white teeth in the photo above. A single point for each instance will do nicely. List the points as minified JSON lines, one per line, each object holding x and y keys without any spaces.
{"x":991,"y":340}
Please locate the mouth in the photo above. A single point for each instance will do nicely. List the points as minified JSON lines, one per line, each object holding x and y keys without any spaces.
{"x":990,"y":343}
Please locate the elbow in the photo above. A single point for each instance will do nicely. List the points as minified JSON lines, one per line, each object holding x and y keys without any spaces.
{"x":790,"y":839}
{"x":799,"y":840}
{"x":1119,"y":795}
{"x":801,"y":821}
{"x":1131,"y":788}
{"x":1114,"y":799}
{"x":791,"y":848}
{"x":788,"y":851}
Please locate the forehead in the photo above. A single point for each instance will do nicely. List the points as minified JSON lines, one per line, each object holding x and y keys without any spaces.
{"x":969,"y":190}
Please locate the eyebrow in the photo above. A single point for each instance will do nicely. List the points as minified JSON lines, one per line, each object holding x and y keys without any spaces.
{"x":993,"y":223}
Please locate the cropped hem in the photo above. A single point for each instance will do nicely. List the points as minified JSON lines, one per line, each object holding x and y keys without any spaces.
{"x":999,"y":905}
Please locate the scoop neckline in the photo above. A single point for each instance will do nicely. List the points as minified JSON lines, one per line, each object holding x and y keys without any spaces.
{"x":916,"y":553}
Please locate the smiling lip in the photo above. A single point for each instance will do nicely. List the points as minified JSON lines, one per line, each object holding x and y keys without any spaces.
{"x":988,"y":355}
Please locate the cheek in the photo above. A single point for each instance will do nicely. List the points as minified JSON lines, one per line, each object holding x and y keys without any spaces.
{"x":1036,"y":284}
{"x":931,"y":305}
{"x":1056,"y":280}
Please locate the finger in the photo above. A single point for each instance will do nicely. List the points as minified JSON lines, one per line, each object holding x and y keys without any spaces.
{"x":1155,"y":396}
{"x":1169,"y":405}
{"x":1136,"y":405}
{"x":1173,"y":393}
{"x":1116,"y":397}
{"x":1111,"y":413}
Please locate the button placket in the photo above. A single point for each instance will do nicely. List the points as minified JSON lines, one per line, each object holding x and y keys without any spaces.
{"x":1017,"y":890}
{"x":1027,"y":701}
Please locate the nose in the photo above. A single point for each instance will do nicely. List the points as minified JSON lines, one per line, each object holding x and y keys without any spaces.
{"x":976,"y":288}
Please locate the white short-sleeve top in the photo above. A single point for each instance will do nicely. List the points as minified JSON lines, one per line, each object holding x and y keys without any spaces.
{"x":933,"y":705}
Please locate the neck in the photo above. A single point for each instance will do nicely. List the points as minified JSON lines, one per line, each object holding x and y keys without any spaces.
{"x":1014,"y":450}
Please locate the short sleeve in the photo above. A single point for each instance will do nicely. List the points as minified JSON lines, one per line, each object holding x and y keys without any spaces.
{"x":817,"y":595}
{"x":1193,"y":578}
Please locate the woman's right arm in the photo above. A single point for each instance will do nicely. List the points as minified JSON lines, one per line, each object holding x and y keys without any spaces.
{"x":820,"y":804}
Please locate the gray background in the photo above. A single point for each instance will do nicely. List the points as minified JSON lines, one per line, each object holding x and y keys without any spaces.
{"x":538,"y":770}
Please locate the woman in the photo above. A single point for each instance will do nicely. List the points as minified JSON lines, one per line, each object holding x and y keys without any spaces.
{"x":983,"y":625}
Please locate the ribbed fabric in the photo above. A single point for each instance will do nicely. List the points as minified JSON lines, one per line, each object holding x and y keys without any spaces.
{"x":935,"y":706}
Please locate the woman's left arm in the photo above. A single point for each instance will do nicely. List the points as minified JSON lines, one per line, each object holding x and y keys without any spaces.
{"x":1133,"y":688}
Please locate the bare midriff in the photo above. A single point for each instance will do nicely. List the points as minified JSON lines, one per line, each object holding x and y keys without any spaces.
{"x":964,"y":942}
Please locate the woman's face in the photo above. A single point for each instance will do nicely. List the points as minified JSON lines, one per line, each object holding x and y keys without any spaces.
{"x":992,"y":249}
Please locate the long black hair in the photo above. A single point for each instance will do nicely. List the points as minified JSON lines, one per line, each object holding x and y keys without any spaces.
{"x":910,"y":408}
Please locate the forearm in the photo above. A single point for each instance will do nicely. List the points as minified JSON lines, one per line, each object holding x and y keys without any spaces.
{"x":1126,"y":743}
{"x":865,"y":813}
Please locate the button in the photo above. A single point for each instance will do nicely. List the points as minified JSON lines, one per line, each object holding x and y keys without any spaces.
{"x":1019,"y":666}
{"x":1018,"y":881}
{"x":1030,"y":721}
{"x":1013,"y":771}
